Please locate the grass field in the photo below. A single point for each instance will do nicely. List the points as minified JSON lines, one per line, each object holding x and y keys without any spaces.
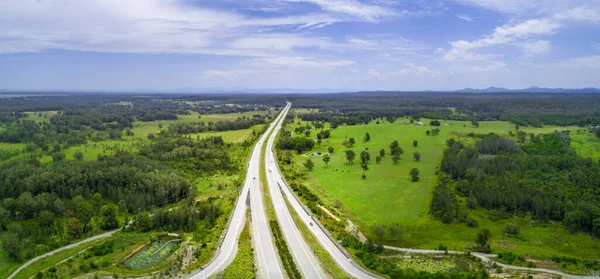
{"x":12,"y":146}
{"x":35,"y":116}
{"x":387,"y":195}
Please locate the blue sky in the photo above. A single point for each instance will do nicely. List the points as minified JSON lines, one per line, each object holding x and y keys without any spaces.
{"x":173,"y":45}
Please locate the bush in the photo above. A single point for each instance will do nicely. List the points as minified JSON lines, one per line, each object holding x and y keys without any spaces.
{"x":511,"y":229}
{"x":472,"y":222}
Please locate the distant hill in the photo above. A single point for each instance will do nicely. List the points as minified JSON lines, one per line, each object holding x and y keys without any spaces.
{"x":533,"y":89}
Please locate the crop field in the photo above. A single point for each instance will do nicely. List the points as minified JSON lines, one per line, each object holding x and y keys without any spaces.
{"x":152,"y":253}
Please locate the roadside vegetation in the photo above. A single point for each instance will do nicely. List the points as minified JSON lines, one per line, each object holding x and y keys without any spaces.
{"x":242,"y":266}
{"x":74,"y":167}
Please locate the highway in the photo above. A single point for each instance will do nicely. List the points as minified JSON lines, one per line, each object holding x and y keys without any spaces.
{"x":268,"y":262}
{"x":264,"y":247}
{"x":306,"y":262}
{"x":338,"y":256}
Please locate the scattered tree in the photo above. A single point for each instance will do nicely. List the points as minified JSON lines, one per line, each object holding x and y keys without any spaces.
{"x":350,"y":155}
{"x":414,"y":174}
{"x":78,"y":155}
{"x":109,"y":216}
{"x":378,"y":160}
{"x":365,"y":156}
{"x":475,"y":123}
{"x":326,"y":159}
{"x":395,"y":159}
{"x":58,"y":156}
{"x":382,"y":153}
{"x":435,"y":123}
{"x":309,"y":165}
{"x":367,"y":137}
{"x":330,"y":149}
{"x":415,"y":143}
{"x":427,"y":132}
{"x":11,"y":244}
{"x":417,"y":156}
{"x":483,"y":236}
{"x":365,"y":168}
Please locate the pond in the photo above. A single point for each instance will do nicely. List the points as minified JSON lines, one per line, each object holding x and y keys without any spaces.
{"x":153,"y":253}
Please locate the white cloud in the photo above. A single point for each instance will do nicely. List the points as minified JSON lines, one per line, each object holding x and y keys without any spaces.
{"x":137,"y":26}
{"x":352,"y":8}
{"x":532,"y":48}
{"x":307,"y":62}
{"x":464,"y":17}
{"x":229,"y":74}
{"x":511,"y":33}
{"x":528,"y":7}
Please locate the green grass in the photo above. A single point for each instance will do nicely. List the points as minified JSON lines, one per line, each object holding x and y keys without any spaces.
{"x":142,"y":129}
{"x":7,"y":266}
{"x":54,"y":259}
{"x":388,"y":195}
{"x":12,"y":146}
{"x":243,"y":263}
{"x":34,"y":116}
{"x":586,"y":144}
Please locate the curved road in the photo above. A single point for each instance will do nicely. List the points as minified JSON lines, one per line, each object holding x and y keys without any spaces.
{"x":268,"y":263}
{"x":96,"y":237}
{"x":307,"y":264}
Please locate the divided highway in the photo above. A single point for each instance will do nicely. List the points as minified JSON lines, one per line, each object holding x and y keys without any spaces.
{"x":268,"y":261}
{"x":307,"y":264}
{"x":275,"y":178}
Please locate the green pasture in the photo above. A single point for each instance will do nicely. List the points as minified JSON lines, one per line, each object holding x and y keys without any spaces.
{"x":45,"y":115}
{"x":387,"y":195}
{"x":12,"y":146}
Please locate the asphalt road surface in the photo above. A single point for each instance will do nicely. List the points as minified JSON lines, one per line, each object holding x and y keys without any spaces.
{"x":306,"y":262}
{"x":338,"y":256}
{"x":268,"y":265}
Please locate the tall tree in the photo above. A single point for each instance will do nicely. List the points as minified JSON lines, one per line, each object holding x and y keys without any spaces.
{"x":326,"y":159}
{"x":414,"y":174}
{"x":367,"y":137}
{"x":350,"y":155}
{"x":395,"y":159}
{"x":365,"y":156}
{"x":309,"y":164}
{"x":365,"y":168}
{"x":415,"y":143}
{"x":417,"y":156}
{"x":330,"y":149}
{"x":382,"y":153}
{"x":109,"y":216}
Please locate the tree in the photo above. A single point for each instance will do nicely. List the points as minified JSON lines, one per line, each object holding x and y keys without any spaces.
{"x":395,"y":159}
{"x":395,"y":149}
{"x":350,"y":155}
{"x":483,"y":237}
{"x":309,"y":165}
{"x":367,"y":137}
{"x":56,"y":148}
{"x":58,"y":156}
{"x":11,"y":244}
{"x":435,"y":132}
{"x":415,"y":143}
{"x":78,"y":155}
{"x":330,"y":149}
{"x":417,"y":156}
{"x":143,"y":222}
{"x":379,"y":231}
{"x":307,"y":133}
{"x":427,"y":132}
{"x":85,"y":213}
{"x":382,"y":153}
{"x":74,"y":228}
{"x":435,"y":123}
{"x":414,"y":174}
{"x":109,"y":216}
{"x":46,"y":218}
{"x":365,"y":156}
{"x":151,"y":136}
{"x":475,"y":123}
{"x":351,"y":142}
{"x":4,"y":218}
{"x":326,"y":159}
{"x":378,"y":160}
{"x":31,"y":147}
{"x":365,"y":168}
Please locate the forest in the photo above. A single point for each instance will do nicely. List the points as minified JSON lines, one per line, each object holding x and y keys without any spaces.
{"x":541,"y":176}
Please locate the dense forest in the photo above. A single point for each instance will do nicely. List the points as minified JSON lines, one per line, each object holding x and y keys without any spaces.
{"x":542,"y":177}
